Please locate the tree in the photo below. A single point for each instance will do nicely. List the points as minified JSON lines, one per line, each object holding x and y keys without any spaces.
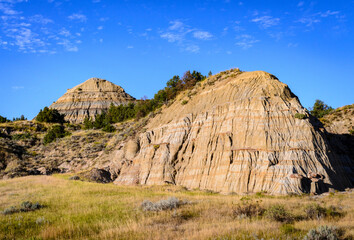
{"x":173,"y":82}
{"x":50,"y":115}
{"x":3,"y":119}
{"x":57,"y":131}
{"x":210,"y":73}
{"x":320,"y":109}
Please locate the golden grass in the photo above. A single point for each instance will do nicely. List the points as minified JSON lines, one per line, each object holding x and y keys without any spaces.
{"x":84,"y":210}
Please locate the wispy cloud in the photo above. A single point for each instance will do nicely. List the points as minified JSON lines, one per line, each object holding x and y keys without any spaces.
{"x":38,"y":18}
{"x":172,"y":37}
{"x":78,"y":17}
{"x":185,"y":36}
{"x":7,"y":9}
{"x":202,"y":35}
{"x":311,"y":19}
{"x":245,"y":41}
{"x":68,"y":45}
{"x":176,"y":25}
{"x":17,"y":87}
{"x":36,"y":33}
{"x":266,"y":21}
{"x":192,"y":48}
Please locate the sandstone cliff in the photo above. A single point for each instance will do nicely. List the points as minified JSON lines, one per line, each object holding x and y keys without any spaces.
{"x":234,"y":132}
{"x":90,"y":98}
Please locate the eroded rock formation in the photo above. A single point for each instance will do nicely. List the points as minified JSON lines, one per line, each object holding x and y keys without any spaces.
{"x":237,"y":133}
{"x":90,"y":98}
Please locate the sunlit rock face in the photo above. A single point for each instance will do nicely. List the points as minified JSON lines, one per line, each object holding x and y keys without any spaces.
{"x":90,"y":98}
{"x":237,"y":133}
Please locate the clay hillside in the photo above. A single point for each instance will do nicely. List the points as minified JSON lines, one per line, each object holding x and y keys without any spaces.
{"x":340,"y":120}
{"x":90,"y":98}
{"x":233,"y":132}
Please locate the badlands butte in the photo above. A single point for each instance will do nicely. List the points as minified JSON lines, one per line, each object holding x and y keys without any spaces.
{"x":233,"y":132}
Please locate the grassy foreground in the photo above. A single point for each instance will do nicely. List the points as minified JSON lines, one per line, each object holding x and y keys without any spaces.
{"x":84,"y":210}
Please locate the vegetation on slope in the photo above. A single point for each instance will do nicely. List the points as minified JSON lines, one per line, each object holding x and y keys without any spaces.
{"x":84,"y":210}
{"x":143,"y":107}
{"x":49,"y":115}
{"x":320,"y":109}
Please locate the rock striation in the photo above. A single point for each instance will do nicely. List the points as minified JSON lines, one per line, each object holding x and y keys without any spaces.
{"x":90,"y":98}
{"x":234,"y":132}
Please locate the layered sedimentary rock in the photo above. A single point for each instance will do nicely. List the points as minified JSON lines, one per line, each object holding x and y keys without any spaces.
{"x":237,"y":133}
{"x":90,"y":98}
{"x":340,"y":121}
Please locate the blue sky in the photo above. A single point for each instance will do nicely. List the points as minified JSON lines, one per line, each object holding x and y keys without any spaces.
{"x":48,"y":46}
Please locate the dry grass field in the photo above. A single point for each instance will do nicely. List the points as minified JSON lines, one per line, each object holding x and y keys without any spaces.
{"x":85,"y":210}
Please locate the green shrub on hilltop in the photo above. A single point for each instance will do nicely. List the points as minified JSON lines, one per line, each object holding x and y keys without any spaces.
{"x":3,"y":119}
{"x":50,"y":116}
{"x":320,"y":109}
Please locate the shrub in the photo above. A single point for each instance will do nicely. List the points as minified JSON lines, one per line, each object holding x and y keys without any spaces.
{"x":41,"y":220}
{"x":3,"y":119}
{"x":88,"y":124}
{"x":156,"y":146}
{"x":10,"y":210}
{"x":184,"y":102}
{"x":288,"y":229}
{"x":57,"y":131}
{"x":323,"y":233}
{"x":50,"y":115}
{"x":278,"y":213}
{"x":300,"y":116}
{"x":23,"y":136}
{"x":108,"y":128}
{"x":315,"y":211}
{"x":248,"y":210}
{"x":168,"y":204}
{"x":74,"y":178}
{"x":25,"y":207}
{"x":29,"y":206}
{"x":320,"y":109}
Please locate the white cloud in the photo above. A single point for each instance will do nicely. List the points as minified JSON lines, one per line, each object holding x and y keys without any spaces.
{"x":266,"y":21}
{"x":300,"y":4}
{"x":202,"y":35}
{"x":64,"y":32}
{"x":17,"y":87}
{"x":308,"y":21}
{"x":7,"y":9}
{"x":176,"y":25}
{"x":68,"y":45}
{"x":172,"y":37}
{"x":329,"y":13}
{"x":78,"y":16}
{"x":292,"y":44}
{"x":130,"y":47}
{"x":38,"y":18}
{"x":192,"y":48}
{"x":100,"y":28}
{"x":245,"y":41}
